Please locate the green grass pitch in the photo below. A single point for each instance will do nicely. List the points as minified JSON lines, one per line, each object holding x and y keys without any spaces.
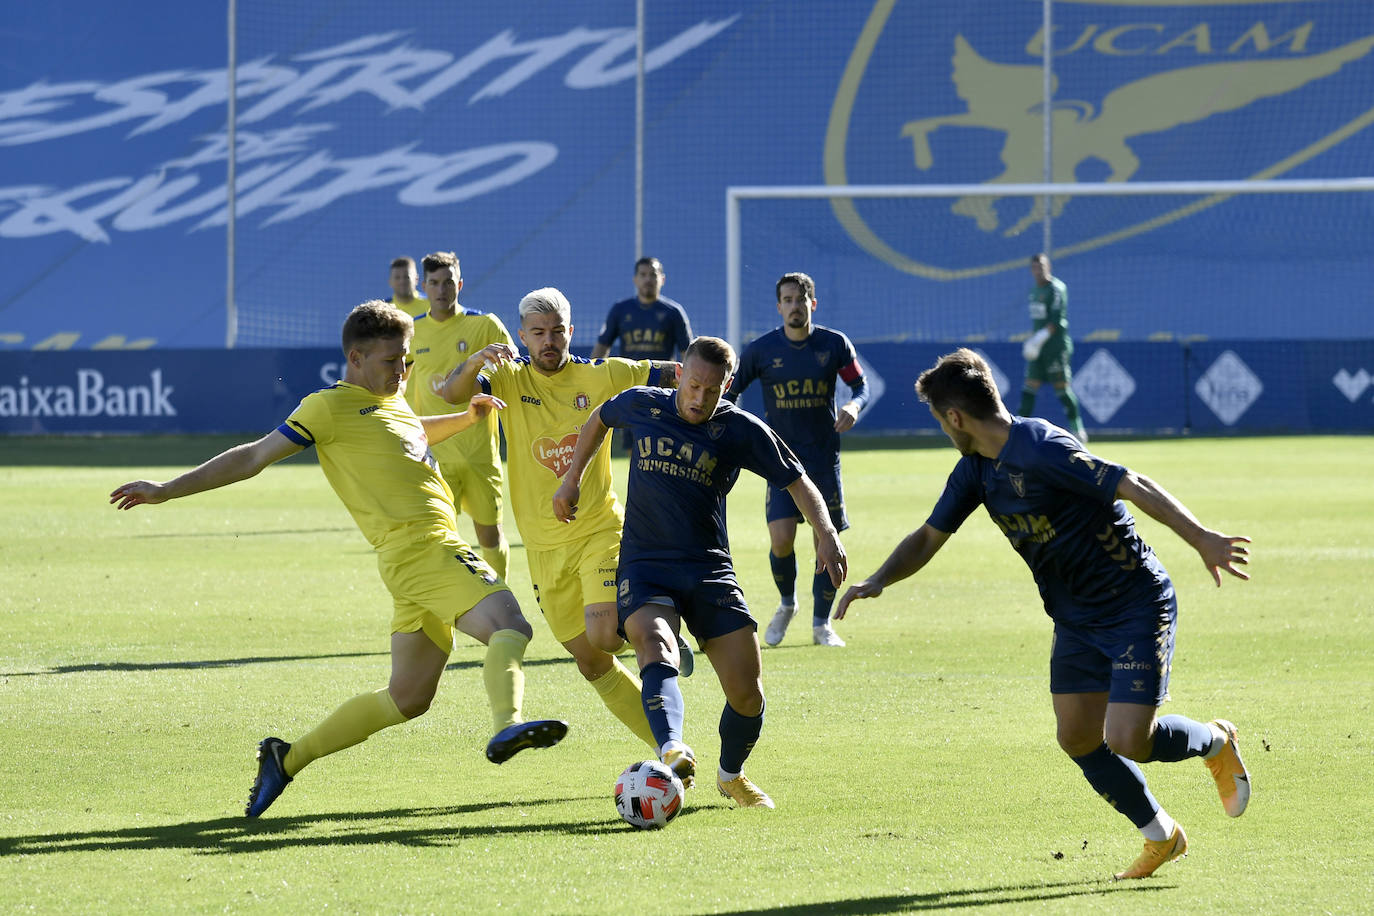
{"x":145,"y":653}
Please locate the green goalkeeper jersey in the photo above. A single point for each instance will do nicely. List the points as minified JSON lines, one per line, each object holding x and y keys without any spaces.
{"x":1049,"y":306}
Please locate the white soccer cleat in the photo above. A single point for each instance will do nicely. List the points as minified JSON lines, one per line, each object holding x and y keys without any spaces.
{"x":777,"y":627}
{"x":825,"y":635}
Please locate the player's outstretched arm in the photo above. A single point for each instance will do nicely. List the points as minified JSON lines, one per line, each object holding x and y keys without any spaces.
{"x":440,"y":427}
{"x":830,"y":554}
{"x":461,"y":383}
{"x":589,"y":439}
{"x":230,"y":466}
{"x":911,"y":554}
{"x":1218,"y":551}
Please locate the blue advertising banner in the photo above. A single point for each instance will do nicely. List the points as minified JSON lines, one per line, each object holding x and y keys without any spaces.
{"x":505,"y":132}
{"x":1241,"y":386}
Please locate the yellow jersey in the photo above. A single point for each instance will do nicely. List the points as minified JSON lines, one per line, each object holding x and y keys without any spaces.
{"x":375,"y":455}
{"x":438,"y":347}
{"x":414,"y":308}
{"x":543,"y":417}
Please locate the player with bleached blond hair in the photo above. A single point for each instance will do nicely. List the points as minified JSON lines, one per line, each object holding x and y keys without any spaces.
{"x":549,"y":395}
{"x":375,"y":453}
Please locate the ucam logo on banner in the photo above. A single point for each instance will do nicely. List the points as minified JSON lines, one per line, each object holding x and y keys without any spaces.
{"x":507,"y":134}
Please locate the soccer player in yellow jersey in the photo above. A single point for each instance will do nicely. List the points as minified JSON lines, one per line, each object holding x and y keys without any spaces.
{"x":470,"y":462}
{"x":549,"y":395}
{"x":374,"y":452}
{"x":402,"y":280}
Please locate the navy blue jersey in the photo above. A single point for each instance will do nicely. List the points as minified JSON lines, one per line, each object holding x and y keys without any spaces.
{"x":798,"y":378}
{"x":1057,"y":505}
{"x":681,"y":472}
{"x":651,"y":331}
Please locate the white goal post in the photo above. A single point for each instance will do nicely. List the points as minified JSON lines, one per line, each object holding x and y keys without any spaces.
{"x":1220,"y":189}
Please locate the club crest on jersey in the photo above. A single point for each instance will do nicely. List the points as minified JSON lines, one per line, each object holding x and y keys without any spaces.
{"x":1018,"y":483}
{"x":582,"y":401}
{"x":822,"y":358}
{"x":461,"y":346}
{"x":714,"y":429}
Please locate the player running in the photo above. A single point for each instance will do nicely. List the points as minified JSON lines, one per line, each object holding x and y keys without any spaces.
{"x":688,"y":448}
{"x":375,"y":453}
{"x":797,"y":366}
{"x":549,"y":396}
{"x":1112,"y":603}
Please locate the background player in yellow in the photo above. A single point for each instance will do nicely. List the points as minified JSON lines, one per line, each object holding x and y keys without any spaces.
{"x":470,"y":461}
{"x":402,"y":280}
{"x":374,"y":452}
{"x":548,"y":396}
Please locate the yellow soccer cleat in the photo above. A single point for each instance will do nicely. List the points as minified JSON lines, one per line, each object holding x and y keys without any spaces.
{"x":1156,"y":854}
{"x":683,"y":763}
{"x":744,"y":793}
{"x":1233,"y":780}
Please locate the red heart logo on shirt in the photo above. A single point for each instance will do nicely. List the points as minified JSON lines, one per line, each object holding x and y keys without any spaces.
{"x":556,"y":456}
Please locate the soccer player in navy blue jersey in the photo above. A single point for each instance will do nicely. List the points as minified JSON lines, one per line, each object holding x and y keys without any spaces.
{"x":797,"y":366}
{"x":648,"y":325}
{"x":675,"y":567}
{"x":1112,"y":602}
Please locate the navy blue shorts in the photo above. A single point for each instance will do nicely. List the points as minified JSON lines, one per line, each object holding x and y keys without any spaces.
{"x":708,"y":599}
{"x":778,"y":503}
{"x":1129,"y":660}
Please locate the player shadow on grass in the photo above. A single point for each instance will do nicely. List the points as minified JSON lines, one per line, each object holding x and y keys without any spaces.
{"x":972,"y":897}
{"x":439,"y":826}
{"x":249,"y":660}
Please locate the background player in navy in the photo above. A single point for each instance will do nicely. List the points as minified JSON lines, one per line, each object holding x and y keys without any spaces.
{"x":1112,"y":603}
{"x":675,"y":564}
{"x":797,"y":365}
{"x":648,"y":325}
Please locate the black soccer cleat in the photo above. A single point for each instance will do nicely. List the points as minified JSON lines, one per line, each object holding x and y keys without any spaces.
{"x":513,"y":739}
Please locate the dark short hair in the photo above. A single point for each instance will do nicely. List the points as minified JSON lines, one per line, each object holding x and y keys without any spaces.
{"x":374,"y":320}
{"x":808,"y":286}
{"x":1040,"y":257}
{"x":961,"y":380}
{"x":438,"y":260}
{"x":403,"y":261}
{"x":713,"y":350}
{"x":655,"y":263}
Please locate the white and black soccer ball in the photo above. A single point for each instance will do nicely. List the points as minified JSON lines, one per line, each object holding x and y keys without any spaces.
{"x":648,"y":794}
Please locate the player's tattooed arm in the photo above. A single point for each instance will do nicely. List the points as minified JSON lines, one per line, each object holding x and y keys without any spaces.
{"x":461,"y":383}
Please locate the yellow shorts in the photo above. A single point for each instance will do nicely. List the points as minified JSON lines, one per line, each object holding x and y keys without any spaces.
{"x":433,"y":581}
{"x":567,"y":579}
{"x":476,"y":489}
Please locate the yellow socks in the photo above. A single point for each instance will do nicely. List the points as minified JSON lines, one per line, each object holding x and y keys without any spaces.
{"x":498,"y":558}
{"x":620,"y":691}
{"x":503,"y":676}
{"x":351,"y":723}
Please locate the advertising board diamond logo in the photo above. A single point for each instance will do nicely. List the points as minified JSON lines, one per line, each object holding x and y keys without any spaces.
{"x":1228,"y":387}
{"x":1103,"y":385}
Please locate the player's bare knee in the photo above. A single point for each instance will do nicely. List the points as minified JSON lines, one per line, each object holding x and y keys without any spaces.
{"x":1077,"y":743}
{"x":746,"y":702}
{"x":412,"y":700}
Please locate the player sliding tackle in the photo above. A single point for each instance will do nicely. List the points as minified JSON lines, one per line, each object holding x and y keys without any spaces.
{"x":375,"y":453}
{"x":1112,"y":603}
{"x":687,"y":449}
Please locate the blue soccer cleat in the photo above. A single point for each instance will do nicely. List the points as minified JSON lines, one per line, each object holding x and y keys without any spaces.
{"x":271,"y":779}
{"x":513,"y":739}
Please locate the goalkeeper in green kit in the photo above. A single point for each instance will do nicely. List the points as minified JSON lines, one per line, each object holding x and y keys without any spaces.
{"x":1049,"y":349}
